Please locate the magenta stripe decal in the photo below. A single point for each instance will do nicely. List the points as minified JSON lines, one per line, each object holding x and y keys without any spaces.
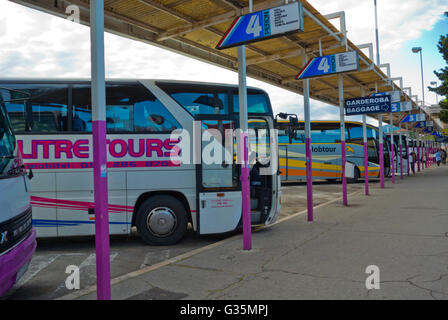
{"x":75,"y":205}
{"x":110,"y":164}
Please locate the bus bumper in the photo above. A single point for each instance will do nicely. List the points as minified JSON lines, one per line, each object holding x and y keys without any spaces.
{"x":14,"y":263}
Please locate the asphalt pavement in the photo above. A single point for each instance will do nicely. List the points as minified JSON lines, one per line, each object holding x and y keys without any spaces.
{"x":392,"y":244}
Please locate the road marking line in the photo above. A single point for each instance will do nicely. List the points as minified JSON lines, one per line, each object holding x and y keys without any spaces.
{"x":36,"y":265}
{"x":90,"y":261}
{"x":189,"y":254}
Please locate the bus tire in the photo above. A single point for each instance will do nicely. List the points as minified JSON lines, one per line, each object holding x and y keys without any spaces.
{"x":161,"y":220}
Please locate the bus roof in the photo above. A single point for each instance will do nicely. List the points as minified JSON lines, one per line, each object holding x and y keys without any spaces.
{"x":78,"y":80}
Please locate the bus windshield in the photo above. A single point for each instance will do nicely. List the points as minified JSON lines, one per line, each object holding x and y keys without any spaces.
{"x":7,"y":142}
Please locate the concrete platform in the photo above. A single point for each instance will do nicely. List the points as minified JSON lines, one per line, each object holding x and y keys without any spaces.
{"x":402,"y":229}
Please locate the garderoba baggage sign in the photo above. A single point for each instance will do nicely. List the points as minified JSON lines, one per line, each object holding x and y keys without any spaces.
{"x":365,"y":105}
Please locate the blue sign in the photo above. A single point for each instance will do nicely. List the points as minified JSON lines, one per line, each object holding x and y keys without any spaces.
{"x":420,"y":124}
{"x":414,"y":118}
{"x":262,"y":25}
{"x":367,"y":105}
{"x":325,"y":65}
{"x":395,"y":96}
{"x":401,"y":106}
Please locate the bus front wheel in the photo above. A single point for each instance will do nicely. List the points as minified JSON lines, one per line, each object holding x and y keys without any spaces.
{"x":161,"y":220}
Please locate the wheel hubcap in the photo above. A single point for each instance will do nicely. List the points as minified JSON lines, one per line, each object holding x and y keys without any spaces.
{"x":161,"y":221}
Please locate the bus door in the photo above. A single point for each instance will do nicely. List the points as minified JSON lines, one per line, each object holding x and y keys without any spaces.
{"x":219,"y":199}
{"x":263,"y":173}
{"x":387,"y":163}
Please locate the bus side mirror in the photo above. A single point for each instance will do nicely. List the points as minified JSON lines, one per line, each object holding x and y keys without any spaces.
{"x":293,"y":124}
{"x":30,"y":174}
{"x":292,"y":133}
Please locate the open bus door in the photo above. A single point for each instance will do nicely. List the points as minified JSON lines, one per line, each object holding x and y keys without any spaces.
{"x":219,"y":199}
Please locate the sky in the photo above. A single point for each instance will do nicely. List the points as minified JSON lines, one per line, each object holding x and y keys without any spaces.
{"x":35,"y":44}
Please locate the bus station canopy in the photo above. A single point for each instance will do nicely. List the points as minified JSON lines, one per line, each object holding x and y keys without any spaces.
{"x":194,"y":28}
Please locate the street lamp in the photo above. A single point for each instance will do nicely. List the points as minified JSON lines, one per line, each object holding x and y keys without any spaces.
{"x":376,"y":35}
{"x":417,"y":50}
{"x":434,"y":83}
{"x":420,"y":148}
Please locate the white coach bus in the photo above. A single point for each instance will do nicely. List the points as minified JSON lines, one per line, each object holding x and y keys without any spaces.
{"x":146,"y":188}
{"x":17,"y":237}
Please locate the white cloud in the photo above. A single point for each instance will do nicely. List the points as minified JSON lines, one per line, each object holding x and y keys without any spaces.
{"x":398,"y":21}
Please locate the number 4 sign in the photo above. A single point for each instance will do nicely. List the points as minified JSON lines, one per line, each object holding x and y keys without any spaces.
{"x":325,"y":65}
{"x":254,"y":26}
{"x":262,"y":25}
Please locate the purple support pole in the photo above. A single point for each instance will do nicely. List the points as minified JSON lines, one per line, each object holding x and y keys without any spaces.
{"x":392,"y":159}
{"x":244,"y":143}
{"x":99,"y":150}
{"x":245,"y":188}
{"x":308,"y":153}
{"x":381,"y":146}
{"x":101,"y":210}
{"x":418,"y":153}
{"x":343,"y":150}
{"x":344,"y":180}
{"x":366,"y":170}
{"x":424,"y":156}
{"x":407,"y":148}
{"x":366,"y":154}
{"x":392,"y":147}
{"x":401,"y":161}
{"x":381,"y":165}
{"x":408,"y":164}
{"x":309,"y":179}
{"x":415,"y":153}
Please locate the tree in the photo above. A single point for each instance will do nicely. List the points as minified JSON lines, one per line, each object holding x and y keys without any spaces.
{"x":442,"y":74}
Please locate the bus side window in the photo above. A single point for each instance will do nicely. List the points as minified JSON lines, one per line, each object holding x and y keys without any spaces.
{"x":130,"y":108}
{"x":42,"y":111}
{"x":150,"y":115}
{"x":372,"y":150}
{"x":299,"y":136}
{"x":82,"y":109}
{"x":283,"y":136}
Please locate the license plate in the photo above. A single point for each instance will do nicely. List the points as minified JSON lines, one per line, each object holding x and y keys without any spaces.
{"x":22,"y":271}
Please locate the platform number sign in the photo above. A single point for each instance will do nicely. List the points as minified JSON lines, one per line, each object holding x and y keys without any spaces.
{"x":262,"y":25}
{"x":326,"y":65}
{"x":254,"y":26}
{"x":414,"y":118}
{"x":401,"y":106}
